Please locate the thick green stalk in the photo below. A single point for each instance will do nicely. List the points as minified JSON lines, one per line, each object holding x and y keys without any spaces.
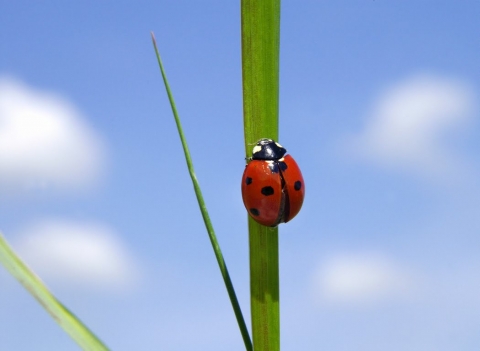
{"x":67,"y":320}
{"x":260,"y":63}
{"x":203,"y":210}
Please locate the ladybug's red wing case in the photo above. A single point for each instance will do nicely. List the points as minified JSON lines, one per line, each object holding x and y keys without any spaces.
{"x":272,"y":184}
{"x":294,"y":188}
{"x":262,"y":192}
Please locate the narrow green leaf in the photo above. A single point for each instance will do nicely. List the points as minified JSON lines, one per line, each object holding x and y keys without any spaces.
{"x":67,"y":320}
{"x":206,"y":217}
{"x":260,"y":63}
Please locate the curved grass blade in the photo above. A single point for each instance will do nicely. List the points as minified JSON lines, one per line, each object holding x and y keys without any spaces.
{"x":203,"y":209}
{"x":260,"y":73}
{"x":67,"y":320}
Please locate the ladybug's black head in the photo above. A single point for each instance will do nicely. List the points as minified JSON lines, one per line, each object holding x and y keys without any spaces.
{"x":268,"y":149}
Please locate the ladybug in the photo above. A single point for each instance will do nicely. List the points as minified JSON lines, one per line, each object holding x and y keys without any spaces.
{"x":272,"y":184}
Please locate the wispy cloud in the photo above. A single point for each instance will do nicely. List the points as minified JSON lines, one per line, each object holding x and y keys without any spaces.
{"x":358,"y":279}
{"x":79,"y":254}
{"x":413,"y":126}
{"x":44,"y":140}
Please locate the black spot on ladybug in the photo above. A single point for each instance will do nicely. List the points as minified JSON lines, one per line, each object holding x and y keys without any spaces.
{"x":298,"y":185}
{"x":267,"y":190}
{"x":254,"y":211}
{"x":248,"y":181}
{"x":283,"y":166}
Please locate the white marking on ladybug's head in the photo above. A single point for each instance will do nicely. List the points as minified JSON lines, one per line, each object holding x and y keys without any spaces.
{"x":269,"y":162}
{"x":257,"y":148}
{"x":279,"y":145}
{"x":282,"y":159}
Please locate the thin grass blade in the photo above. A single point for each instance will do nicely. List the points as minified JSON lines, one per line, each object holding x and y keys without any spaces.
{"x":206,"y":217}
{"x":67,"y":320}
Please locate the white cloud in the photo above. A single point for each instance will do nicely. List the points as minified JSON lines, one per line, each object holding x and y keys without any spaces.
{"x":82,"y":254}
{"x":357,"y":279}
{"x":413,"y":124}
{"x":44,"y":140}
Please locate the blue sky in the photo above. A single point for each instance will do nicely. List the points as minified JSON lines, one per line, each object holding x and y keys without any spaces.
{"x":379,"y":105}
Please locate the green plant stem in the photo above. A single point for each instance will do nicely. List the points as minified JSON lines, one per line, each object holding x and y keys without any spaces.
{"x":66,"y":319}
{"x":260,"y":63}
{"x":206,"y":217}
{"x":264,"y":287}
